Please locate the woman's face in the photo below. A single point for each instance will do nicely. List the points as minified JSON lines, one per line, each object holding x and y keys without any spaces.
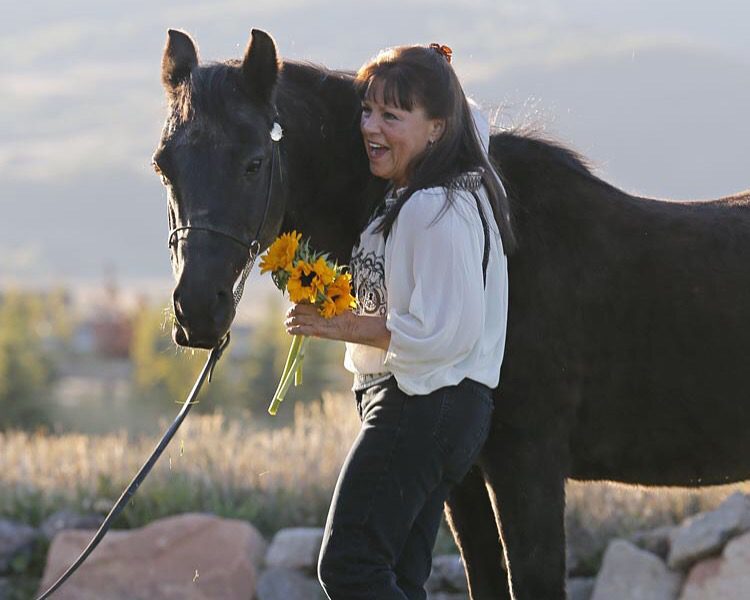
{"x":394,"y":137}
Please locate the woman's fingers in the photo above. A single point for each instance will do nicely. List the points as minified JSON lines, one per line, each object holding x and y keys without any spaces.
{"x":301,"y":309}
{"x":304,"y":319}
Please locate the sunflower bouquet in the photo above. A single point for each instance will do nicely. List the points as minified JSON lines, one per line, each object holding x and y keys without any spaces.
{"x":308,"y":277}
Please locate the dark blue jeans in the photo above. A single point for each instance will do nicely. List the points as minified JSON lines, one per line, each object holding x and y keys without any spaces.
{"x":388,"y":500}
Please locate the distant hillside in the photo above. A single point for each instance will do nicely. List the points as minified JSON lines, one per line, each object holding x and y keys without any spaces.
{"x":654,"y":94}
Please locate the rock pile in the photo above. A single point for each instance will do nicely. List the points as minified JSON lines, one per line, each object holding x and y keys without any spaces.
{"x":198,"y":556}
{"x":707,"y":557}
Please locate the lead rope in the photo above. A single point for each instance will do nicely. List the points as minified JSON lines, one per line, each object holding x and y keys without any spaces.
{"x":206,"y":373}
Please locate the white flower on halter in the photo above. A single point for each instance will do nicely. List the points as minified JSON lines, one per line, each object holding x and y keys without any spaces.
{"x":277,"y":132}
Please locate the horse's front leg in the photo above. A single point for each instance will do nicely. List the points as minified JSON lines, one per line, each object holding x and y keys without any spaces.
{"x":472,"y":521}
{"x":526,"y":476}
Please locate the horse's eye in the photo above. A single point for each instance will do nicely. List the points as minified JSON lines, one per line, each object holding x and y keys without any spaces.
{"x":254,"y":165}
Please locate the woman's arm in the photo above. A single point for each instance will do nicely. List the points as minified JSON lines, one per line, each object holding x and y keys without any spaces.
{"x":304,"y":319}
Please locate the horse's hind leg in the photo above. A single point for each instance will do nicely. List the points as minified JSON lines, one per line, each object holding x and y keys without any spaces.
{"x":470,"y":516}
{"x":525,"y":474}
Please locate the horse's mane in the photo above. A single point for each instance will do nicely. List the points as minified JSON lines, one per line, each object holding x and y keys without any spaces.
{"x":530,"y":144}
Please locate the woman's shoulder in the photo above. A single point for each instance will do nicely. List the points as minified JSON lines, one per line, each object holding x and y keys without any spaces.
{"x":468,"y":181}
{"x":427,"y":206}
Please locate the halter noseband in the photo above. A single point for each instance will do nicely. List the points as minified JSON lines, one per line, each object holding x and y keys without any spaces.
{"x":253,"y":247}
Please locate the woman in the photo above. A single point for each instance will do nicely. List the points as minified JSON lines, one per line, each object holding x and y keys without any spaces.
{"x":426,"y":341}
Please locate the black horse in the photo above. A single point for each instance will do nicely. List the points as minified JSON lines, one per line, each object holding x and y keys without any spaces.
{"x":629,"y":329}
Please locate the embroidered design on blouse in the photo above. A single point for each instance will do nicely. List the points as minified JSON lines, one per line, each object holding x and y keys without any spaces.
{"x":368,"y":283}
{"x":368,"y":268}
{"x":470,"y":181}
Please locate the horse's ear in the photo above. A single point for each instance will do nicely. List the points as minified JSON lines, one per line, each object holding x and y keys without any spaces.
{"x":180,"y":57}
{"x":260,"y":66}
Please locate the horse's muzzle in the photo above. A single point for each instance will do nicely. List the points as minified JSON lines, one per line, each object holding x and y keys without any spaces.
{"x":201,"y":318}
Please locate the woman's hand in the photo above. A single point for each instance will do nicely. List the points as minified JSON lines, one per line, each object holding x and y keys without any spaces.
{"x":304,"y":319}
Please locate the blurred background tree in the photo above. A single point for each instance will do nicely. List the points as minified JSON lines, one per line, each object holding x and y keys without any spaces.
{"x":163,"y":373}
{"x":26,"y":366}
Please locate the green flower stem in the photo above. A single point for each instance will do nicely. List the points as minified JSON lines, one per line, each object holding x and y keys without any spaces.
{"x":292,"y":361}
{"x":298,"y":372}
{"x":293,"y":350}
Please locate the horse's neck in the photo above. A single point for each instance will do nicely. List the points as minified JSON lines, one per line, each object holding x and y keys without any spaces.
{"x":330,"y":189}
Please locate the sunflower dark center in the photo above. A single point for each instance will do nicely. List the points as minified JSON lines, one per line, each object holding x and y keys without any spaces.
{"x":307,"y":280}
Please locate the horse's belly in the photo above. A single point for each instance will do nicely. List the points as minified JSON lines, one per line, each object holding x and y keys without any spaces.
{"x":695,"y":439}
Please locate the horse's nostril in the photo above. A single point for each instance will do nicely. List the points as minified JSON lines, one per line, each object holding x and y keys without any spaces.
{"x":178,"y":312}
{"x":222,"y":296}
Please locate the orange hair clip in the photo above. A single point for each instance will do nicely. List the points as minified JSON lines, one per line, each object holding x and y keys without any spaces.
{"x":444,"y":50}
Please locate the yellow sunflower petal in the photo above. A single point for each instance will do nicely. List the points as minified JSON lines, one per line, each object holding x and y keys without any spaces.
{"x":281,"y":253}
{"x":328,"y":308}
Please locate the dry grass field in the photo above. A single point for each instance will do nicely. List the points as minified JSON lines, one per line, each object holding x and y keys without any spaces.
{"x":273,"y":478}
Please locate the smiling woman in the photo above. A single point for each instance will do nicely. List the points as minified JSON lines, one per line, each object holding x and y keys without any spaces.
{"x":426,"y":354}
{"x":395,"y":136}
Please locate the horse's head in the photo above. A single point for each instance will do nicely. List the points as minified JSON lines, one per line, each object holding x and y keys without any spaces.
{"x":220,"y":166}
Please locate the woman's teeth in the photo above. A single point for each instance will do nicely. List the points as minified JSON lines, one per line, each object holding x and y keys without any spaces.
{"x":377,"y":150}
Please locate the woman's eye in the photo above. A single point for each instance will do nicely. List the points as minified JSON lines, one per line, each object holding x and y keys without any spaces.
{"x":254,"y":166}
{"x":390,"y":116}
{"x":366,"y":110}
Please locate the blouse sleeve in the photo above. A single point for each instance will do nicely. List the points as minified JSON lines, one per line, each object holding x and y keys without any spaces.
{"x":435,"y":288}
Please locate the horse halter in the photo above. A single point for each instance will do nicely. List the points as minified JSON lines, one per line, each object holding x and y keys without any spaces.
{"x":252,"y":247}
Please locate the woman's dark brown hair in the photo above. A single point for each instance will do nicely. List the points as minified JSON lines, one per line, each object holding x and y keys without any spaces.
{"x":409,"y":76}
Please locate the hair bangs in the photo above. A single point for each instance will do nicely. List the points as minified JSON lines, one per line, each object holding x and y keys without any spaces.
{"x":390,"y":86}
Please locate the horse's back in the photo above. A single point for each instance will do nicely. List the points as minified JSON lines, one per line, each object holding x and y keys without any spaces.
{"x":631,"y":322}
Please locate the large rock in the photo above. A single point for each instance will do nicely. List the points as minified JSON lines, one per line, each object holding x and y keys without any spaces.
{"x":280,"y":583}
{"x":186,"y":557}
{"x":447,"y":575}
{"x":16,"y":543}
{"x":629,"y":573}
{"x":295,"y":548}
{"x":68,"y":519}
{"x":656,"y":541}
{"x":705,"y":534}
{"x":725,"y":578}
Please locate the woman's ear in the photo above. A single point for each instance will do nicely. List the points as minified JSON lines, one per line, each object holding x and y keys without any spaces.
{"x":437,"y":127}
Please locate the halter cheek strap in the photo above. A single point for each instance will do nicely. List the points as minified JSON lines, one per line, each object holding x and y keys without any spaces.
{"x":253,"y":246}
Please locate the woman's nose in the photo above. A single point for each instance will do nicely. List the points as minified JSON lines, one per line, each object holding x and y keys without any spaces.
{"x":368,"y":124}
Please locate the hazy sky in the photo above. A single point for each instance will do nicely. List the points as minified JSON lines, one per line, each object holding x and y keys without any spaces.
{"x":653,"y":92}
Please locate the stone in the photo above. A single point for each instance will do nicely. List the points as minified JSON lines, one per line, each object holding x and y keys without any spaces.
{"x":185,"y":557}
{"x":281,"y":583}
{"x":705,"y":534}
{"x":68,"y":519}
{"x":580,"y":588}
{"x":447,"y":575}
{"x":656,"y":541}
{"x":629,"y":573}
{"x":295,"y":548}
{"x":16,"y":543}
{"x":723,"y":578}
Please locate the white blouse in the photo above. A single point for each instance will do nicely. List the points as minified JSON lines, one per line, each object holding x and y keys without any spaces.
{"x":426,"y":279}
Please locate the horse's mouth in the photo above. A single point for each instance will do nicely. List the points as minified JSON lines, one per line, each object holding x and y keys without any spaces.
{"x":182,"y":338}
